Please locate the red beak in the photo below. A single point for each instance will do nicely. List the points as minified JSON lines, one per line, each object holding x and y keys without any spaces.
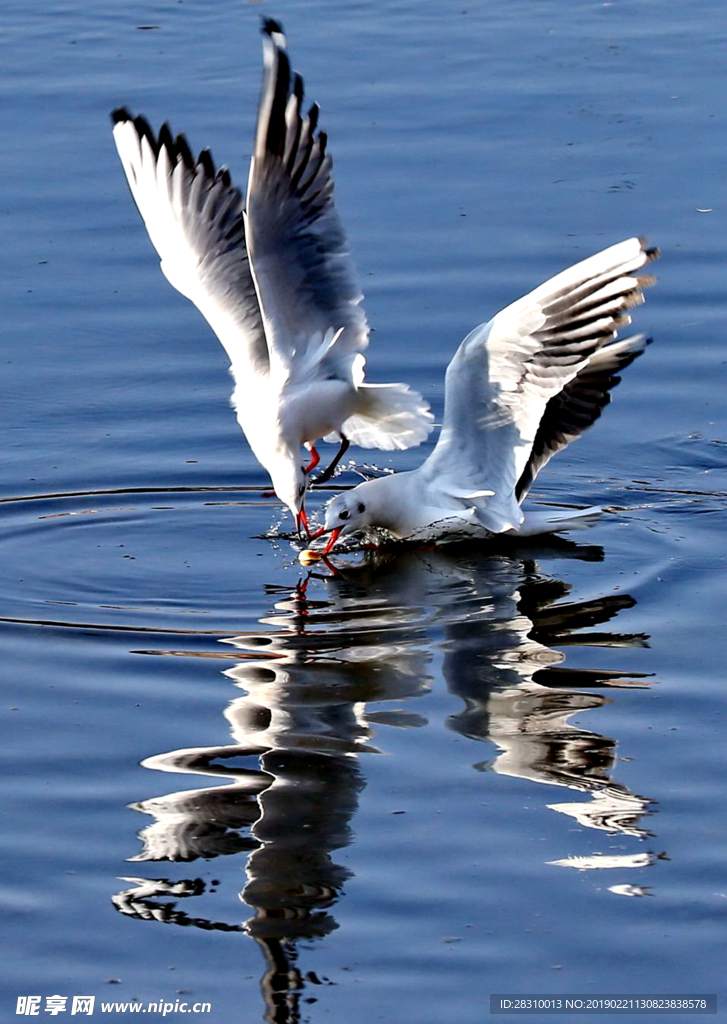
{"x":331,"y":540}
{"x":301,"y":519}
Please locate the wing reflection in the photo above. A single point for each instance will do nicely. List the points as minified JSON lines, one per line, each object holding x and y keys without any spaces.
{"x":521,"y":698}
{"x":317,"y":686}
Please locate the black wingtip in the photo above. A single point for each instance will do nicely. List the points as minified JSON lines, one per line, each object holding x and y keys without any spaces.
{"x":183,"y":151}
{"x":120,"y":115}
{"x":166,"y":139}
{"x":144,"y":131}
{"x":270,"y":27}
{"x":205,"y":161}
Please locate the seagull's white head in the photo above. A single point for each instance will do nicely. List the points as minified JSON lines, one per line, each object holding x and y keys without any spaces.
{"x":347,"y":513}
{"x":290,"y":483}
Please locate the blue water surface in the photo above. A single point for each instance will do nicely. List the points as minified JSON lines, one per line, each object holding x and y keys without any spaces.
{"x":388,"y":794}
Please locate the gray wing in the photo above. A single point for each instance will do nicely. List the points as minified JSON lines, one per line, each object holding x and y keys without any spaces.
{"x":506,"y":373}
{"x":194,"y":216}
{"x":577,"y":407}
{"x":305,"y":281}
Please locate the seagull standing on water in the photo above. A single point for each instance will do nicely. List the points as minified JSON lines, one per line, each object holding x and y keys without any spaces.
{"x":519,"y":389}
{"x":273,"y":279}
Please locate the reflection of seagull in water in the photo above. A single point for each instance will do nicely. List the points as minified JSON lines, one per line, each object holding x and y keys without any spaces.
{"x":519,"y":389}
{"x":500,"y":626}
{"x":273,"y":279}
{"x":521,"y":697}
{"x":319,"y":687}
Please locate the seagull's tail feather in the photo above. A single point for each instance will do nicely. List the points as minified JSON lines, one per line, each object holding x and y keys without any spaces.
{"x":556,"y":521}
{"x":390,"y":416}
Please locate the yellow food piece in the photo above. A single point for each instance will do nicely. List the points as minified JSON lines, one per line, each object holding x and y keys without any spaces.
{"x":309,"y":555}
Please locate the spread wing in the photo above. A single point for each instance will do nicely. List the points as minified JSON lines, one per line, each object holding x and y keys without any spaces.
{"x":577,"y":407}
{"x":507,"y":372}
{"x":305,"y":281}
{"x":194,"y":216}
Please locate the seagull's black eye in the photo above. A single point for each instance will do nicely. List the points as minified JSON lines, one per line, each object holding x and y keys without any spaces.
{"x":301,"y":490}
{"x":344,"y":515}
{"x":361,"y":507}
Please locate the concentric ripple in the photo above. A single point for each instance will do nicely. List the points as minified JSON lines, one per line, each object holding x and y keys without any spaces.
{"x":183,"y":560}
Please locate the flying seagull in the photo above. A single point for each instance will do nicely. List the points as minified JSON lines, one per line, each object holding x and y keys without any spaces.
{"x":272,"y":276}
{"x":519,"y":389}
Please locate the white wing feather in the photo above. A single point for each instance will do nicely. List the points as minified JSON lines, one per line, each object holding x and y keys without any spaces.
{"x":506,"y":371}
{"x":195,"y":222}
{"x":305,"y":281}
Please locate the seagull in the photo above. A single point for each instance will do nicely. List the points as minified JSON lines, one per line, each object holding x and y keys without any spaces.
{"x":272,"y":276}
{"x":519,"y":389}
